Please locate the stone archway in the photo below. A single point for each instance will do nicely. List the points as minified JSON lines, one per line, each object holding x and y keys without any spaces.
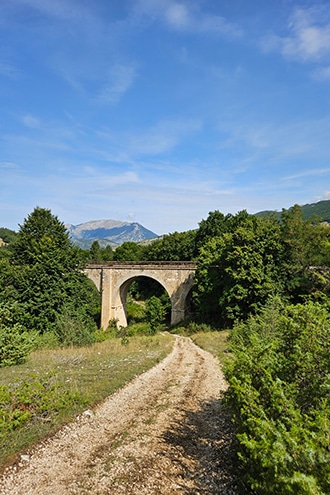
{"x":113,"y":282}
{"x":120,"y":295}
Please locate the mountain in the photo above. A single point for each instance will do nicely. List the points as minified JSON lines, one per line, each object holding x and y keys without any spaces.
{"x":108,"y":232}
{"x":320,"y":209}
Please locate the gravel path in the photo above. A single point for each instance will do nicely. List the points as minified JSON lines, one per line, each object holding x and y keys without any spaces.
{"x":164,"y":433}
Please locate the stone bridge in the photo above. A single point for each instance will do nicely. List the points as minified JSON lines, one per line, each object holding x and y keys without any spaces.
{"x":114,"y":279}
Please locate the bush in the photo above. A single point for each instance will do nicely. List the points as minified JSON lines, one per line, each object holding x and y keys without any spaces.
{"x":15,"y":342}
{"x":73,"y":329}
{"x":48,"y":340}
{"x":135,"y":311}
{"x":15,"y":345}
{"x":155,"y":313}
{"x":279,"y":395}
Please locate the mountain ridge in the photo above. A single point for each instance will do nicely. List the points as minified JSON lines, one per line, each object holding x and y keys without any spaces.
{"x":115,"y":232}
{"x":108,"y":232}
{"x":319,"y":209}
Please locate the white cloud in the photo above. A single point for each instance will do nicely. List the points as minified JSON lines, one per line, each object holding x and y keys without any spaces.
{"x":177,"y":15}
{"x":8,"y":165}
{"x":303,"y":140}
{"x":162,"y":137}
{"x":326,"y":195}
{"x":315,"y":172}
{"x":30,"y":121}
{"x":185,"y":17}
{"x":308,"y":39}
{"x":121,"y":78}
{"x":9,"y":70}
{"x":96,"y":179}
{"x":322,"y":74}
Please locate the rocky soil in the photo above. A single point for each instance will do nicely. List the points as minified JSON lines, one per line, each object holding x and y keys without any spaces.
{"x":166,"y":432}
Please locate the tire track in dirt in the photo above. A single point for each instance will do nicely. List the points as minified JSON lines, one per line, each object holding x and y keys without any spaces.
{"x":166,"y":432}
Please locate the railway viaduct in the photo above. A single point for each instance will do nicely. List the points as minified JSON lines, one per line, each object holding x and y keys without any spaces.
{"x":114,"y":279}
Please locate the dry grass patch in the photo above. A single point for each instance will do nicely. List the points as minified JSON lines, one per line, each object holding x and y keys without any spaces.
{"x":213,"y":342}
{"x":54,"y":385}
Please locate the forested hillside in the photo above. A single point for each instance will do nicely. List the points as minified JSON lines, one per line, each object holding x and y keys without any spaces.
{"x":320,"y":209}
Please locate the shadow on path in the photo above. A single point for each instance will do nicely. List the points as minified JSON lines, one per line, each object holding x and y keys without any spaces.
{"x":203,"y":442}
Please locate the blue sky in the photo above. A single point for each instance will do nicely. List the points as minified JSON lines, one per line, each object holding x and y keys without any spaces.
{"x":160,"y":111}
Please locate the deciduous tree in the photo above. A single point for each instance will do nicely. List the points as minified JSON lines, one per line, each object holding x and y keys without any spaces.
{"x":47,"y":274}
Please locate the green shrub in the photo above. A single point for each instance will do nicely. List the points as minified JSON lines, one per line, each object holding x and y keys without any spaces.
{"x":279,"y":395}
{"x":155,"y":313}
{"x":15,"y":345}
{"x":33,"y":399}
{"x":48,"y":340}
{"x":142,"y":328}
{"x":72,"y":329}
{"x":135,"y":311}
{"x":15,"y":342}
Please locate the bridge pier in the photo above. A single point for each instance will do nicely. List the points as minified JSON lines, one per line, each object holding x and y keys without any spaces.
{"x":113,"y":282}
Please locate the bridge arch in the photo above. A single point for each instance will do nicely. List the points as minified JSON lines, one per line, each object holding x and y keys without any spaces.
{"x":114,"y":280}
{"x":121,"y":290}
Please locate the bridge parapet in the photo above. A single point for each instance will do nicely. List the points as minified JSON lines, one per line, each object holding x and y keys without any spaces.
{"x":160,"y":265}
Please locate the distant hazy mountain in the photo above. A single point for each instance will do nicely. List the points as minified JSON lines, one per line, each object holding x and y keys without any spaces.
{"x":108,"y":232}
{"x":320,"y":209}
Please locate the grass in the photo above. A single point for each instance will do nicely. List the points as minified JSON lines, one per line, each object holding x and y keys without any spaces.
{"x":214,"y":342}
{"x":78,"y":378}
{"x":203,"y":335}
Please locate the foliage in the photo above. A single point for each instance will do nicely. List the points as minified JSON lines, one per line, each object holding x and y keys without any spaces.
{"x":45,"y":275}
{"x":155,"y":313}
{"x":279,"y":395}
{"x":47,"y":340}
{"x":95,"y":252}
{"x":143,"y":288}
{"x":214,"y":226}
{"x":306,"y":244}
{"x":238,"y":270}
{"x":7,"y":235}
{"x":135,"y":310}
{"x":178,"y":246}
{"x":43,"y":235}
{"x":98,"y":255}
{"x":321,"y":209}
{"x":15,"y":342}
{"x":242,"y":259}
{"x":31,"y":400}
{"x":107,"y":253}
{"x":71,"y":328}
{"x":128,"y":251}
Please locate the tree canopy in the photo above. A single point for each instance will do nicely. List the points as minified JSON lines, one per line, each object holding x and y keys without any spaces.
{"x":45,"y":275}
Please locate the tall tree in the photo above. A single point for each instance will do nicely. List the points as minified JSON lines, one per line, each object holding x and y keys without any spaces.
{"x":107,"y":253}
{"x":128,"y":251}
{"x":306,"y":247}
{"x":178,"y":246}
{"x":48,"y":279}
{"x":238,"y":270}
{"x":95,"y":252}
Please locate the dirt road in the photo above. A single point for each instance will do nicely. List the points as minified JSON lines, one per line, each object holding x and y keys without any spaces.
{"x":164,"y":433}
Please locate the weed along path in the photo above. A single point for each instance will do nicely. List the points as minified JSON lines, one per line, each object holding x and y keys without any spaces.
{"x":164,"y":433}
